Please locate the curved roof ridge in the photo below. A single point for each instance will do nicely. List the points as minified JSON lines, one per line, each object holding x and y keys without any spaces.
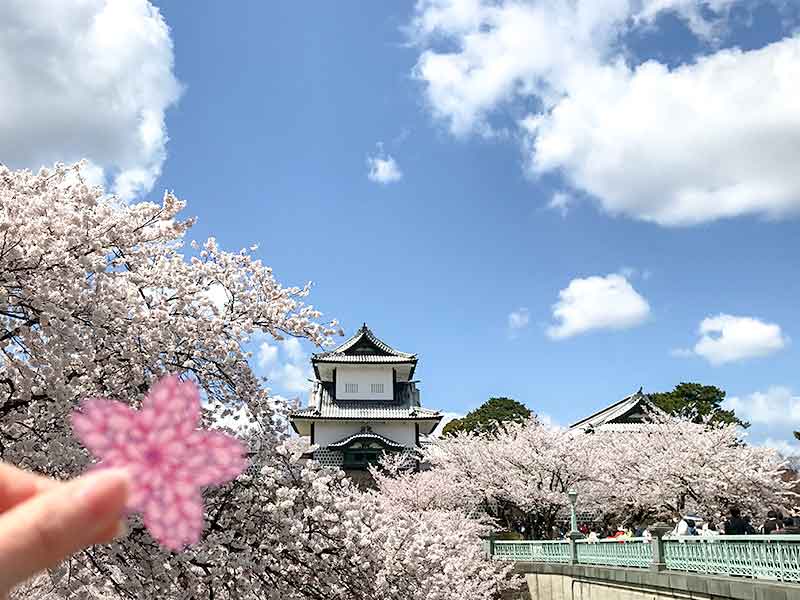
{"x":365,"y":435}
{"x":617,"y":409}
{"x":364,"y":332}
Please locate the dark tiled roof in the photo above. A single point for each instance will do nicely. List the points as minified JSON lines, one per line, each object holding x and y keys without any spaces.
{"x":360,"y":358}
{"x":364,"y":347}
{"x":618,"y":410}
{"x":406,"y":406}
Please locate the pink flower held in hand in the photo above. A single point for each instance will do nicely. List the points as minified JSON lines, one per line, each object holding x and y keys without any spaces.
{"x":169,"y":459}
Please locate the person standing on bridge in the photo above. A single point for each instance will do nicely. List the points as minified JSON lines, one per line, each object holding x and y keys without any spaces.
{"x":772,"y":523}
{"x":686,"y":526}
{"x":789,"y":527}
{"x":736,"y":525}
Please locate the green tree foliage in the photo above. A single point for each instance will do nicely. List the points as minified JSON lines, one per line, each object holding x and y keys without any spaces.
{"x":697,"y":402}
{"x":487,"y":416}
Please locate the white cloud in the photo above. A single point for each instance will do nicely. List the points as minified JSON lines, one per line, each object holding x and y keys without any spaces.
{"x":267,"y":355}
{"x":293,"y":349}
{"x":499,"y":52}
{"x":561,"y":202}
{"x":293,"y":377}
{"x":383,"y":168}
{"x":622,"y":135}
{"x":286,"y":365}
{"x":774,"y":415}
{"x":785,"y":447}
{"x":696,"y":13}
{"x":693,"y":144}
{"x":596,"y":302}
{"x":727,"y":338}
{"x":777,"y":406}
{"x":477,"y":55}
{"x":519,"y":319}
{"x":682,"y":352}
{"x":90,"y":79}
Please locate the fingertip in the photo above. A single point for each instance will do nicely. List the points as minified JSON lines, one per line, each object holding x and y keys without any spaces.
{"x":115,"y":531}
{"x":104,"y":491}
{"x":17,"y":485}
{"x":49,"y":527}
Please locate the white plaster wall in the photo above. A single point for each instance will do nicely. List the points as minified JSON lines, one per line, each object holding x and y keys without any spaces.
{"x":364,"y":375}
{"x":401,"y":432}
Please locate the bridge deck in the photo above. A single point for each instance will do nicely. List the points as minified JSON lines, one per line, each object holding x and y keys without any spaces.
{"x":623,"y":581}
{"x":766,"y":557}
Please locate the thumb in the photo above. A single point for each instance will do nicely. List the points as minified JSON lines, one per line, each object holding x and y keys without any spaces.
{"x":45,"y":530}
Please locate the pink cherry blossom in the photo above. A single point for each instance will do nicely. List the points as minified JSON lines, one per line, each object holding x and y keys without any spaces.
{"x":169,"y":459}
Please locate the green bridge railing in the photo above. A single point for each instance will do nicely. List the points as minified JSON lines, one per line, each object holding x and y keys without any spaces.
{"x":774,"y":557}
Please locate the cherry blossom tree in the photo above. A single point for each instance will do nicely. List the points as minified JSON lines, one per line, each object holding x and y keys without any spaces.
{"x":435,"y":555}
{"x":400,"y":482}
{"x":674,"y":466}
{"x":98,"y":298}
{"x":520,"y":474}
{"x":101,"y":298}
{"x":293,"y":530}
{"x":437,"y":545}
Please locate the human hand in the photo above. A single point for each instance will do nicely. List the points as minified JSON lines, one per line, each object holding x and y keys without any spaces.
{"x":43,"y":521}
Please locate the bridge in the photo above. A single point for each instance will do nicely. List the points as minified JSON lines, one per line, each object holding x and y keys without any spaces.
{"x":748,"y":567}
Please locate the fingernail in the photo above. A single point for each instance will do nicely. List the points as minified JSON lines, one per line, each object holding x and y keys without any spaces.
{"x":101,"y":490}
{"x":122,"y":530}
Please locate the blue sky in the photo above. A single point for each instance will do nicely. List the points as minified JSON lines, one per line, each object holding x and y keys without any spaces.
{"x":635,"y":164}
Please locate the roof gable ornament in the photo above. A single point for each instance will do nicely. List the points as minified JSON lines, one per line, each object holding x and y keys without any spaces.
{"x":634,"y":409}
{"x":366,"y":440}
{"x":364,"y":346}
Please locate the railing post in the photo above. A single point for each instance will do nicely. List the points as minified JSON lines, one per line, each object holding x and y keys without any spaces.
{"x":659,"y":530}
{"x":574,"y":536}
{"x":491,"y":544}
{"x":573,"y":551}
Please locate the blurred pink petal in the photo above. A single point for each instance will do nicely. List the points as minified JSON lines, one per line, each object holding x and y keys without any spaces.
{"x":103,"y":424}
{"x":216,"y":458}
{"x":172,"y":404}
{"x":175,"y":521}
{"x":169,"y":460}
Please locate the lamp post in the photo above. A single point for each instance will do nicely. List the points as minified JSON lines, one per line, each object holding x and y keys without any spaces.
{"x":573,"y":518}
{"x":574,"y":535}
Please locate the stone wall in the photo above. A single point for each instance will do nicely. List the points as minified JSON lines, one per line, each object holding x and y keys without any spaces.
{"x":583,"y":582}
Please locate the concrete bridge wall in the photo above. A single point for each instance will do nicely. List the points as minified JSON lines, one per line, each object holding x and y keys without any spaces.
{"x":583,"y":582}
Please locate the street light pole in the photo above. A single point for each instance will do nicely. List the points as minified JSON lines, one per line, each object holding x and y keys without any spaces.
{"x":573,"y":518}
{"x":574,"y":534}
